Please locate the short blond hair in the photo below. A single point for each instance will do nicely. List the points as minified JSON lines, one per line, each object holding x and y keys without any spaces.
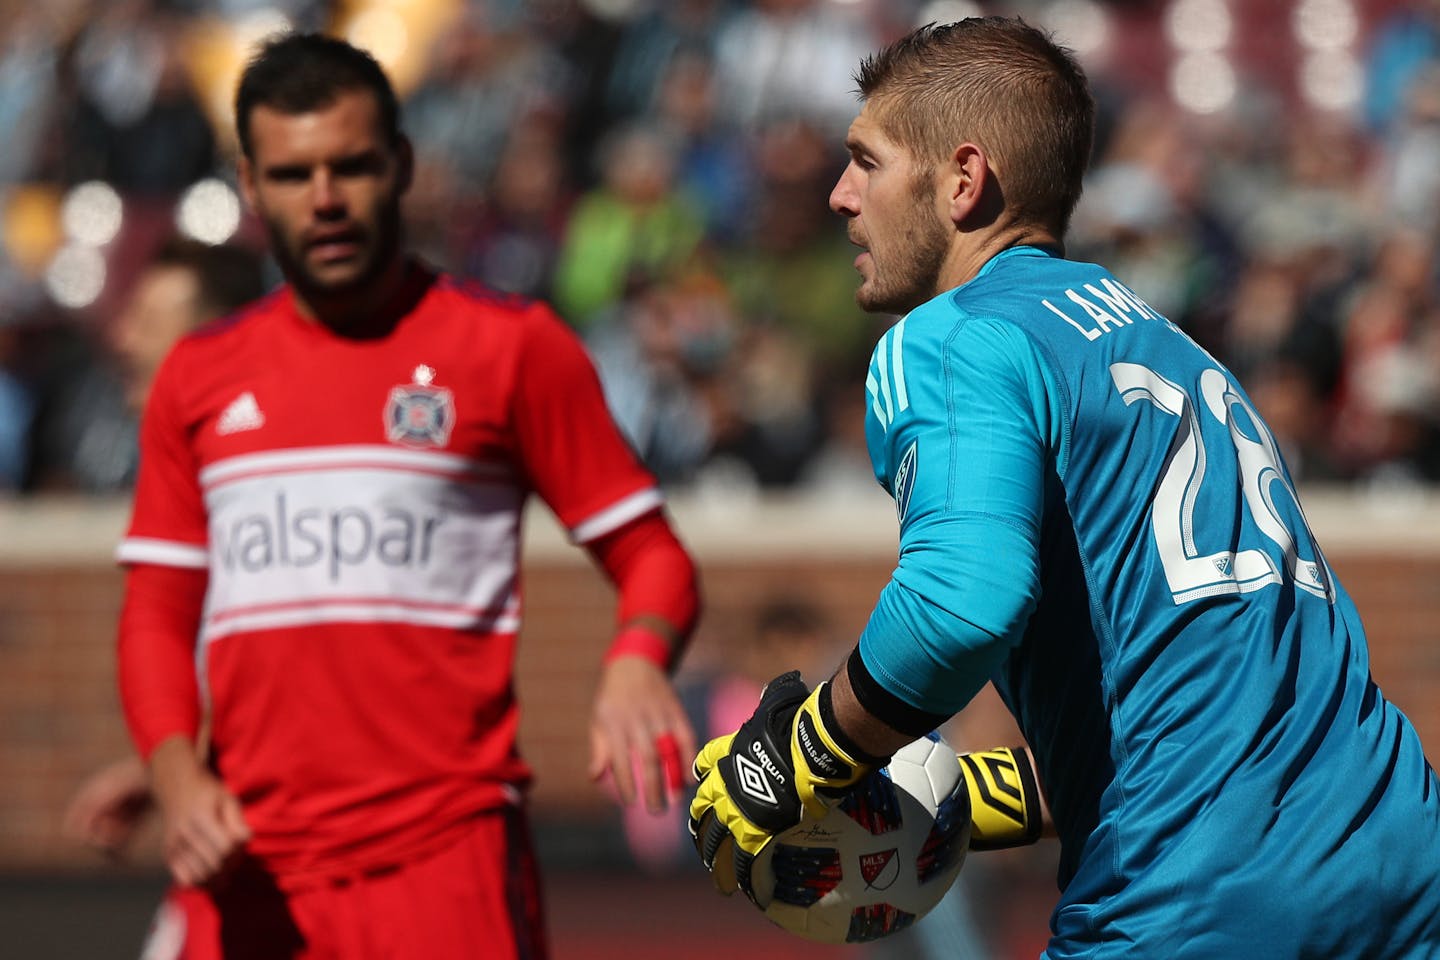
{"x":1001,"y":84}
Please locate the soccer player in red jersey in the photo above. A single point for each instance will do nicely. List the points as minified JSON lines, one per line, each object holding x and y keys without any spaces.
{"x":330,"y":498}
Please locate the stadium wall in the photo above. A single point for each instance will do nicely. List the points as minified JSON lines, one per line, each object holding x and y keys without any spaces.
{"x":60,"y":594}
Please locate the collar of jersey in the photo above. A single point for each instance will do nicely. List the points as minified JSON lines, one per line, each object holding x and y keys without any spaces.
{"x":1011,"y":253}
{"x":419,"y":278}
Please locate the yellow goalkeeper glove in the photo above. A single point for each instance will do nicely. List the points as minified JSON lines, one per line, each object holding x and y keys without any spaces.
{"x":1004,"y":798}
{"x":783,"y":765}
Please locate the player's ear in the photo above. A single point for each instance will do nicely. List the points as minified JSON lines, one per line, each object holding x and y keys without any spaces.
{"x":969,"y":172}
{"x":245,"y":179}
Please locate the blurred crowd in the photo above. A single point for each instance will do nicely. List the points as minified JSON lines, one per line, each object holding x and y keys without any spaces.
{"x":659,"y":171}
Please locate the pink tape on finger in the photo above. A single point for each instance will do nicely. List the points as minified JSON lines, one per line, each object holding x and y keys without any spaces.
{"x":669,"y":752}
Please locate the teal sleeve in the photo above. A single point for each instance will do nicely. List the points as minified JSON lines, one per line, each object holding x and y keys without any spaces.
{"x":968,"y":575}
{"x":925,"y":655}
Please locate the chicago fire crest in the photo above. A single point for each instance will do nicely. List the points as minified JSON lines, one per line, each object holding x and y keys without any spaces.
{"x":420,"y":414}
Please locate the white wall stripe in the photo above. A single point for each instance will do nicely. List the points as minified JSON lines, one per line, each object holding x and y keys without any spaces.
{"x":166,"y":553}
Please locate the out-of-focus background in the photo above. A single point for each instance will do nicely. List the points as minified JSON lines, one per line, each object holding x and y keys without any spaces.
{"x":1267,"y":174}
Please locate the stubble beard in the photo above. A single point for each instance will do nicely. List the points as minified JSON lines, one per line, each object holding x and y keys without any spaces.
{"x":381,"y":247}
{"x":923,"y":245}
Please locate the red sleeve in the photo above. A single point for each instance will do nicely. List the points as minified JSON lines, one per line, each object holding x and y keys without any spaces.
{"x":158,"y":625}
{"x":570,"y":447}
{"x":165,"y":585}
{"x":168,"y":523}
{"x":654,"y":575}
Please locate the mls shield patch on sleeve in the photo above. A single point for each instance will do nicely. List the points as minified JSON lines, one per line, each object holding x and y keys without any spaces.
{"x":905,"y":480}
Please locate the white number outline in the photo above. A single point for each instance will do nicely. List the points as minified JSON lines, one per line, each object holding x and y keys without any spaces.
{"x":1190,"y":573}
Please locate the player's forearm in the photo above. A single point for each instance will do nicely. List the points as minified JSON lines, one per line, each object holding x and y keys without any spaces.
{"x":156,"y":658}
{"x":173,"y":765}
{"x":867,"y":731}
{"x":658,"y":587}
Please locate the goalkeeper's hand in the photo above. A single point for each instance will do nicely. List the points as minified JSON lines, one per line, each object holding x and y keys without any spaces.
{"x":1005,"y":807}
{"x":783,"y":765}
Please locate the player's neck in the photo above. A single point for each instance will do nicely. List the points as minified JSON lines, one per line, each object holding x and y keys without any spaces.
{"x":363,"y":310}
{"x":967,"y":259}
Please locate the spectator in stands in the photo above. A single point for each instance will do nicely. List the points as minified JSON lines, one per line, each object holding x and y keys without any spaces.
{"x":788,"y":60}
{"x":713,"y":166}
{"x":17,"y":410}
{"x":656,"y":352}
{"x":513,"y":243}
{"x":136,"y":121}
{"x":186,"y":284}
{"x":1408,"y":178}
{"x":29,"y":86}
{"x":483,"y":79}
{"x":649,"y":47}
{"x":635,"y":221}
{"x":89,"y":397}
{"x":791,"y":271}
{"x":1405,"y":44}
{"x":1386,"y":406}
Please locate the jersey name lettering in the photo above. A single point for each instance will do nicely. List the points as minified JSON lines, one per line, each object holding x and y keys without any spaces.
{"x":1124,"y":307}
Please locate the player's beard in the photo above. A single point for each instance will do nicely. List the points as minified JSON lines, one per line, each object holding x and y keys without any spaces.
{"x":910,"y":274}
{"x":380,"y":245}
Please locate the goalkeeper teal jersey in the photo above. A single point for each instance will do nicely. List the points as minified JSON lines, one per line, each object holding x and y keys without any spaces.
{"x":1093,"y":516}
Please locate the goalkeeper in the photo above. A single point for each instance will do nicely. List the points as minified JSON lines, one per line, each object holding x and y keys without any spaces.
{"x":1093,"y":518}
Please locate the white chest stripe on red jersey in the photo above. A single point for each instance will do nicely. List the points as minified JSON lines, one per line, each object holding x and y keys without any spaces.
{"x":361,"y":534}
{"x":364,"y":610}
{"x":364,"y":456}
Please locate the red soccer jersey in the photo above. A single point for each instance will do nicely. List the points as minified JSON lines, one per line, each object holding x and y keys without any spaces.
{"x":357,"y":503}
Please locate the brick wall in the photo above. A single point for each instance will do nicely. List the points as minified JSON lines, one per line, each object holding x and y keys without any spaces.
{"x":59,"y":596}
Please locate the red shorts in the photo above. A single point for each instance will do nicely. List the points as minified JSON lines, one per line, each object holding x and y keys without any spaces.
{"x":478,"y":897}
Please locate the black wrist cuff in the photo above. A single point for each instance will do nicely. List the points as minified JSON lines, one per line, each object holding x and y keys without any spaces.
{"x":838,"y":734}
{"x":1031,"y":789}
{"x":884,"y":705}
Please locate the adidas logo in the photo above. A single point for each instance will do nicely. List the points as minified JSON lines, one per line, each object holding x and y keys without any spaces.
{"x":242,"y":414}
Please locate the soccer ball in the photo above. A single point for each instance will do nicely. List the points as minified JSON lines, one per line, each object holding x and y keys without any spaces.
{"x":878,"y":860}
